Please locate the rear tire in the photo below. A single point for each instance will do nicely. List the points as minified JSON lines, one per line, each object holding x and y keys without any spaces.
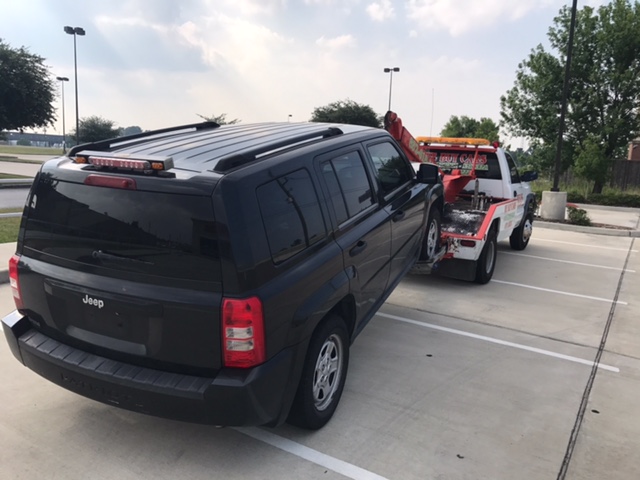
{"x":431,"y":242}
{"x":520,"y":237}
{"x":323,"y":375}
{"x":486,"y":264}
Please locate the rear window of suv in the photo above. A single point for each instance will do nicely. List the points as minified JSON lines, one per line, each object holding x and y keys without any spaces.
{"x":150,"y":233}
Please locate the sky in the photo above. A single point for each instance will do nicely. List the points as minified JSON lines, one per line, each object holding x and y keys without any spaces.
{"x":159,"y":63}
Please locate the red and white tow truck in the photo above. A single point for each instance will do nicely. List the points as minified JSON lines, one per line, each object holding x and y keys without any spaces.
{"x":485,"y":201}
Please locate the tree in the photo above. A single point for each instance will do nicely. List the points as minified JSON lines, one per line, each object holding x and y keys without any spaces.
{"x":219,"y":119}
{"x":133,"y":130}
{"x":470,"y":127}
{"x":94,"y":129}
{"x":603,"y":112}
{"x":27,"y":90}
{"x":347,"y":111}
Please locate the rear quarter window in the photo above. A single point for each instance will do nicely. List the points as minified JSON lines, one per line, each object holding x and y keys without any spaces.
{"x":291,"y":214}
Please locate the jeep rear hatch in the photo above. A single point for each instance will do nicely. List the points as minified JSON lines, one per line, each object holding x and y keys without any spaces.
{"x":123,"y":265}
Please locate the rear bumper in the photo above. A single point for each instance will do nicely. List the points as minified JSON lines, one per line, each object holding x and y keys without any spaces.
{"x":235,"y":397}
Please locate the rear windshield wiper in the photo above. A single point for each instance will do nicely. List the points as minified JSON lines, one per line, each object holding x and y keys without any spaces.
{"x":100,"y":255}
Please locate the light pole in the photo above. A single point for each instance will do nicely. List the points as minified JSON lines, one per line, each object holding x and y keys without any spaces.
{"x":390,"y":72}
{"x":75,"y":31}
{"x":565,"y":95}
{"x":64,"y":138}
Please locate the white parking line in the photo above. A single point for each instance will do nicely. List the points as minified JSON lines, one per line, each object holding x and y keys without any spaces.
{"x":560,"y":292}
{"x":567,"y":261}
{"x":585,"y":245}
{"x":501,"y":342}
{"x":319,"y":458}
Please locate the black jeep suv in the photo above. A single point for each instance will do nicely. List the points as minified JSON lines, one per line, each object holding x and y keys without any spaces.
{"x":214,"y":274}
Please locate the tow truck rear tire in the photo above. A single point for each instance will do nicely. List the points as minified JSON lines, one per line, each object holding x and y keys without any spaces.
{"x":520,"y":237}
{"x":431,"y":242}
{"x":486,"y":264}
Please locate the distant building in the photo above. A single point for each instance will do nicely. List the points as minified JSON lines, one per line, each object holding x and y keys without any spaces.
{"x":36,"y":139}
{"x":634,"y":150}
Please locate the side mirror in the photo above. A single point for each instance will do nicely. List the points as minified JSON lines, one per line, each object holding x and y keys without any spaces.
{"x":428,"y":173}
{"x":529,"y":176}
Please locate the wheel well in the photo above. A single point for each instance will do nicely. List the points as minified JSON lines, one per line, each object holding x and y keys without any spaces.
{"x":495,"y":225}
{"x":439,"y":204}
{"x":346,"y":309}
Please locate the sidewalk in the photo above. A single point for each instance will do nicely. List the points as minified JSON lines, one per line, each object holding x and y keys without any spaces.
{"x":612,"y":221}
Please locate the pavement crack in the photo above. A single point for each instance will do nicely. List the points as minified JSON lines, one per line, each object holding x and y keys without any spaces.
{"x":575,"y":431}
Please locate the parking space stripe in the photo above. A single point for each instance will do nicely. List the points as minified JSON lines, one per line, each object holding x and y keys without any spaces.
{"x":314,"y":456}
{"x":567,"y":261}
{"x":560,"y":292}
{"x":502,"y":342}
{"x":586,"y":245}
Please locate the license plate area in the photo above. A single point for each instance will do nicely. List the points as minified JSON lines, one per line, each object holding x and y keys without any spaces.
{"x":110,"y":320}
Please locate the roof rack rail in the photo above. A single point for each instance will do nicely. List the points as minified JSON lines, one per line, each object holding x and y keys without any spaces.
{"x":237,"y":160}
{"x":106,"y":144}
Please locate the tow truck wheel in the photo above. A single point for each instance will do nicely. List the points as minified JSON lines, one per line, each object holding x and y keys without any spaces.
{"x":520,"y":237}
{"x":431,"y":242}
{"x":323,"y":375}
{"x":486,"y":264}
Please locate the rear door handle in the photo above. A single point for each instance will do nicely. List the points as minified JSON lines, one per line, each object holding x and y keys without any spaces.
{"x":398,"y":216}
{"x":359,"y":248}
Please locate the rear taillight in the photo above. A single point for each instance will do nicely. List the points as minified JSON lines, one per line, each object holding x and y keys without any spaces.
{"x":242,"y":332}
{"x":13,"y":281}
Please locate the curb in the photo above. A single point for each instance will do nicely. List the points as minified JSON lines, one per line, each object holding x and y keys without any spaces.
{"x":612,"y":232}
{"x":16,"y":182}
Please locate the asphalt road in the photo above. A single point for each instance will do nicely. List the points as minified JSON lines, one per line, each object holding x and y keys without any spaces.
{"x":450,"y":380}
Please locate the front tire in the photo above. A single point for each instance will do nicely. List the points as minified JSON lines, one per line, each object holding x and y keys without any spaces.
{"x":486,"y":264}
{"x":519,"y":238}
{"x":431,"y":243}
{"x":323,"y":375}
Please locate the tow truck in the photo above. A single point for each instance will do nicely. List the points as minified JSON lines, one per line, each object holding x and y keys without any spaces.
{"x":485,"y":200}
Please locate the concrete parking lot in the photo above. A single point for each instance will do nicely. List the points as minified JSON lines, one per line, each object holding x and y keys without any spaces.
{"x":535,"y":375}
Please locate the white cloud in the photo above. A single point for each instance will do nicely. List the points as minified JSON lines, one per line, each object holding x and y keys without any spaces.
{"x":249,"y":7}
{"x":337,"y":42}
{"x":462,"y":16}
{"x":381,"y":11}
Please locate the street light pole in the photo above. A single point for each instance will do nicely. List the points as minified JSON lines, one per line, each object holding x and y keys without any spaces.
{"x":64,"y":137}
{"x":76,"y":31}
{"x":390,"y":72}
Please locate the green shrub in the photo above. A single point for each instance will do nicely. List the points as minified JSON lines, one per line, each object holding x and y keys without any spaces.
{"x":619,"y":199}
{"x":578,"y":216}
{"x":24,"y":143}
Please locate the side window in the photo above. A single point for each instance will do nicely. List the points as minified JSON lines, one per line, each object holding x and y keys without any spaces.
{"x":348,"y":185}
{"x":515,"y":178}
{"x":291,"y":214}
{"x":391,"y":169}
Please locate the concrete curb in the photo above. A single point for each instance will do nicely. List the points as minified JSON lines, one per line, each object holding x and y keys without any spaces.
{"x":588,"y":206}
{"x":612,"y":232}
{"x":16,"y":182}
